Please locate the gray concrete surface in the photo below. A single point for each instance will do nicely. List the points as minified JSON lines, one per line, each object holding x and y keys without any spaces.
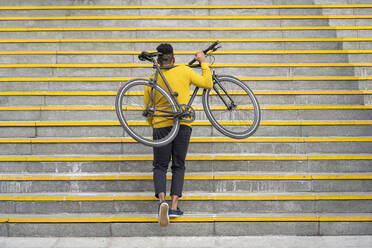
{"x":35,"y":208}
{"x":189,"y":206}
{"x":192,"y":242}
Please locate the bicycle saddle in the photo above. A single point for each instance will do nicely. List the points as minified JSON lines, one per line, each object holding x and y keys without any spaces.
{"x":148,"y":56}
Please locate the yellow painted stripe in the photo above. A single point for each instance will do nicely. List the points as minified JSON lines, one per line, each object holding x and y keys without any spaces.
{"x":339,"y":157}
{"x":65,"y":159}
{"x":187,"y":177}
{"x":17,"y":124}
{"x":121,"y":79}
{"x":313,"y":107}
{"x":85,"y":178}
{"x":262,"y":177}
{"x":143,"y":123}
{"x":15,"y":140}
{"x":60,"y":108}
{"x":61,"y":93}
{"x":327,"y":78}
{"x":267,"y":219}
{"x":66,"y":79}
{"x":293,"y":218}
{"x":339,"y":139}
{"x":336,"y":107}
{"x":170,"y":17}
{"x":341,"y":177}
{"x":196,"y":123}
{"x":185,"y":40}
{"x":293,"y":157}
{"x":326,"y":123}
{"x":126,"y":219}
{"x":228,"y":52}
{"x":79,"y":220}
{"x":184,"y":29}
{"x":85,"y":7}
{"x":140,"y":93}
{"x":279,"y":140}
{"x":313,"y":92}
{"x":193,"y":140}
{"x":364,"y":64}
{"x":293,"y":177}
{"x":342,"y":197}
{"x":189,"y":198}
{"x":101,"y":123}
{"x":344,"y":219}
{"x":188,"y":158}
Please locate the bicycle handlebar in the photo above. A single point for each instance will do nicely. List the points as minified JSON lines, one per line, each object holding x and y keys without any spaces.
{"x":210,"y":48}
{"x":148,"y":56}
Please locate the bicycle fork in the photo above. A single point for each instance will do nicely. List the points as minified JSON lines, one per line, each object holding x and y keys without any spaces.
{"x":232,"y":104}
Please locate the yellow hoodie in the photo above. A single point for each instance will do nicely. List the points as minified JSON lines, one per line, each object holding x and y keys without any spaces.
{"x":179,"y":79}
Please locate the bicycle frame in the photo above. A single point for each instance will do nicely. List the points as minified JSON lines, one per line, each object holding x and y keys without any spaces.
{"x":166,"y":105}
{"x":180,"y":111}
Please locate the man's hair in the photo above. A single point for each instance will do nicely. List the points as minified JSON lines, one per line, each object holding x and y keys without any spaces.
{"x":167,"y":54}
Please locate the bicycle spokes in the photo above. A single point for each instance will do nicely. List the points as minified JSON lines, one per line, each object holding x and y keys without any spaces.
{"x":231,"y":107}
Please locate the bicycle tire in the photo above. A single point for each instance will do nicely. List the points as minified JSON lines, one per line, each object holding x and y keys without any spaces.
{"x":242,"y":120}
{"x":129,"y":106}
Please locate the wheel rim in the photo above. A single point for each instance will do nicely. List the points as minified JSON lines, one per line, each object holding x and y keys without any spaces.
{"x":130,"y":107}
{"x":239,"y":121}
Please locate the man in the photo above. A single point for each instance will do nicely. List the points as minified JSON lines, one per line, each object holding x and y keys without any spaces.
{"x":179,"y":78}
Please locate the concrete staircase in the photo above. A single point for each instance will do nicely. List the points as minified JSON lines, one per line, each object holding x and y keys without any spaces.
{"x":68,"y":169}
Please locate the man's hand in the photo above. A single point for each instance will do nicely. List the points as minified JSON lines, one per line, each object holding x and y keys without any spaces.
{"x":200,"y":56}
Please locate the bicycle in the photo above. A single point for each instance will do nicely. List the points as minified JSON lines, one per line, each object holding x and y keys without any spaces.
{"x":230,"y":105}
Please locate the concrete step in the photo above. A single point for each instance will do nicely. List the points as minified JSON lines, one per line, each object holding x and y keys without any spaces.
{"x":208,"y":182}
{"x":228,"y":58}
{"x":64,"y":102}
{"x":204,"y":145}
{"x":96,"y":2}
{"x":129,"y":21}
{"x":340,"y":30}
{"x":117,"y":59}
{"x":200,"y":21}
{"x":283,"y":6}
{"x":68,"y":46}
{"x":95,"y":113}
{"x":54,"y":203}
{"x":113,"y":129}
{"x":108,"y":98}
{"x":212,"y":10}
{"x":268,"y":70}
{"x":301,"y":185}
{"x":267,"y":3}
{"x":195,"y":163}
{"x":247,"y":4}
{"x":246,"y":34}
{"x":183,"y":34}
{"x":192,"y":15}
{"x":191,"y":241}
{"x":102,"y":84}
{"x":123,"y":10}
{"x":224,"y":224}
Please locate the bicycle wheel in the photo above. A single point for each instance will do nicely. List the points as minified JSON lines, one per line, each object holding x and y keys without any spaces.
{"x":232,"y":108}
{"x":130,"y":109}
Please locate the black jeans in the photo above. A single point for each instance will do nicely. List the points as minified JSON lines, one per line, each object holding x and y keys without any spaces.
{"x":176,"y":150}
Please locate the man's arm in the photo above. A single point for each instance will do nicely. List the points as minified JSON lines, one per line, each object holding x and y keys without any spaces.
{"x":204,"y":80}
